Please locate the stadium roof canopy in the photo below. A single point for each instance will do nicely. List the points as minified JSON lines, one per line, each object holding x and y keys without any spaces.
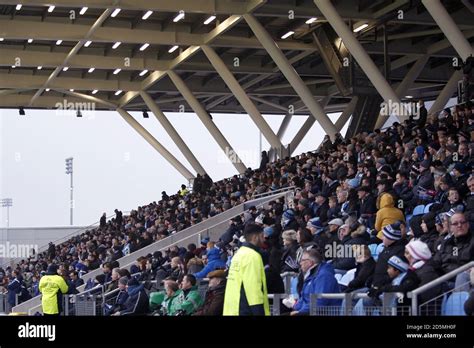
{"x":46,"y":53}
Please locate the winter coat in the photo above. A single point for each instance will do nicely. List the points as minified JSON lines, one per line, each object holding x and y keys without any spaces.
{"x":387,"y":214}
{"x":430,"y":239}
{"x":137,"y":301}
{"x":380,"y":273}
{"x":51,"y":286}
{"x":454,"y":252}
{"x":427,"y":273}
{"x":404,"y":192}
{"x":14,"y":288}
{"x":214,"y":302}
{"x":228,"y":235}
{"x":274,"y":281}
{"x":469,"y":304}
{"x":288,"y":259}
{"x":321,"y":211}
{"x":410,"y":282}
{"x":367,"y":207}
{"x":214,"y":262}
{"x":358,"y":237}
{"x":362,"y":276}
{"x":118,"y":303}
{"x":320,"y":280}
{"x":246,"y":290}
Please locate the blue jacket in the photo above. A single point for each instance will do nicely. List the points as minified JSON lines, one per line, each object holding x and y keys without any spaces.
{"x":321,"y":280}
{"x":14,"y":288}
{"x":214,"y":262}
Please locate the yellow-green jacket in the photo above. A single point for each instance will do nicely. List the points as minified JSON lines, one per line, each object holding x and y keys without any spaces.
{"x":246,"y":289}
{"x":49,"y":286}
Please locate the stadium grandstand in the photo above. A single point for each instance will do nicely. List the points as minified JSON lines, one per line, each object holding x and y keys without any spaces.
{"x":377,"y":222}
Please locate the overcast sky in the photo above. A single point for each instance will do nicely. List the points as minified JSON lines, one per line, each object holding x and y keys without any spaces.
{"x":114,"y":167}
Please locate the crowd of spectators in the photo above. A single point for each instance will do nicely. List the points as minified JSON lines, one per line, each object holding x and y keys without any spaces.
{"x":395,"y":205}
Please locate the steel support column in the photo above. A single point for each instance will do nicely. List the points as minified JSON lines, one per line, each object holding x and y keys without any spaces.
{"x":346,"y":114}
{"x":406,"y":84}
{"x":281,"y":132}
{"x":446,"y":93}
{"x":305,"y":129}
{"x":207,"y":121}
{"x":359,"y":53}
{"x":241,"y":96}
{"x":449,"y":28}
{"x":291,"y":75}
{"x":156,"y":144}
{"x":161,"y":117}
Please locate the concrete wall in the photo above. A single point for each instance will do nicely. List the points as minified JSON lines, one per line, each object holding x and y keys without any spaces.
{"x":39,"y":236}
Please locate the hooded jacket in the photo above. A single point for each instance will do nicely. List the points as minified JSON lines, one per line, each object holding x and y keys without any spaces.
{"x":387,"y":214}
{"x":214,"y":262}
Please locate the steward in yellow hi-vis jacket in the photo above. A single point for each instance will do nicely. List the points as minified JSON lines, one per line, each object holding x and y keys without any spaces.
{"x":246,"y":289}
{"x":51,"y":286}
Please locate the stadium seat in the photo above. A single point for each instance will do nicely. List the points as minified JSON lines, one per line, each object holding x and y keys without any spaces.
{"x":454,"y":305}
{"x":373,"y":251}
{"x":419,"y":210}
{"x":348,"y":277}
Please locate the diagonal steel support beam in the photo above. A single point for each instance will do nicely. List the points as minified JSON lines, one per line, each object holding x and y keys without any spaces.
{"x":305,"y":129}
{"x":359,"y":53}
{"x":347,"y":113}
{"x":449,"y":28}
{"x":446,"y":93}
{"x":406,"y":84}
{"x":281,"y":132}
{"x":174,"y":135}
{"x":140,"y":130}
{"x":207,"y":121}
{"x":75,"y":49}
{"x":257,"y":79}
{"x":431,"y":50}
{"x":241,"y":96}
{"x":156,"y":144}
{"x":291,"y":75}
{"x":190,"y":51}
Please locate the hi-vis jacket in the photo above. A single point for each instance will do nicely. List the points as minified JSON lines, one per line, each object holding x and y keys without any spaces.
{"x":246,"y":290}
{"x":49,"y":286}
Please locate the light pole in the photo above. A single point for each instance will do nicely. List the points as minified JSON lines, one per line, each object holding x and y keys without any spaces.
{"x":7,"y":202}
{"x":69,"y":171}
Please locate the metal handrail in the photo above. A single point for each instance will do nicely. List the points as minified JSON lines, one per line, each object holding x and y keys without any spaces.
{"x":415,"y":293}
{"x":269,"y":193}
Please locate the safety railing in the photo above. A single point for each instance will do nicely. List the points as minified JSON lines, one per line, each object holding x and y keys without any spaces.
{"x":414,"y":295}
{"x":211,"y":228}
{"x":389,"y":305}
{"x":287,"y":278}
{"x":3,"y":303}
{"x":449,"y":303}
{"x":269,"y":193}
